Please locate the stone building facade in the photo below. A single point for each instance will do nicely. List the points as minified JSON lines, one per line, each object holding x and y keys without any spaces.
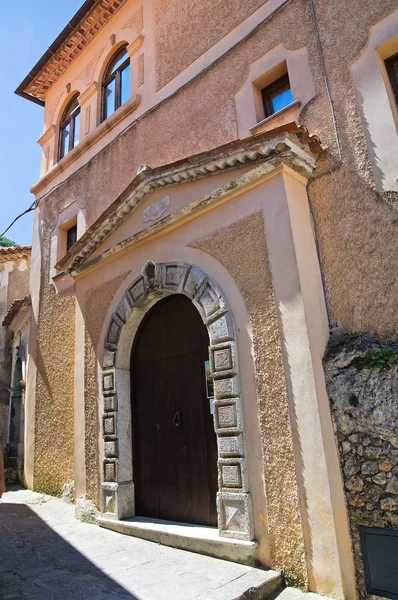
{"x":167,"y":182}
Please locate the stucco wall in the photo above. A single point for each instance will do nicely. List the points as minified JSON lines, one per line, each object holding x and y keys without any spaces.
{"x":178,"y":23}
{"x":54,"y":420}
{"x":96,"y":305}
{"x":242,"y":249}
{"x":356,"y":230}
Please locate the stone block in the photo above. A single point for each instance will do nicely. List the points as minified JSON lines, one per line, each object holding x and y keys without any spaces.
{"x":230,"y":446}
{"x":110,"y":470}
{"x":110,"y":403}
{"x":223,"y":360}
{"x":207,"y":300}
{"x":193,"y":282}
{"x":227,"y":416}
{"x":111,"y":448}
{"x":235,"y":515}
{"x":108,"y":382}
{"x":117,"y":500}
{"x":136,"y":292}
{"x":222,"y":329}
{"x":232,"y":474}
{"x":109,"y":359}
{"x":226,"y":388}
{"x":109,"y":422}
{"x":173,"y":276}
{"x":114,"y":331}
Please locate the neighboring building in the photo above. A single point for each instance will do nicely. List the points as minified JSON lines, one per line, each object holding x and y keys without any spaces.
{"x":218,"y":193}
{"x":14,"y":286}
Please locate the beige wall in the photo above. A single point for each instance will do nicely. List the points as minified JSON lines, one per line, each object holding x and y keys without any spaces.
{"x":345,"y":202}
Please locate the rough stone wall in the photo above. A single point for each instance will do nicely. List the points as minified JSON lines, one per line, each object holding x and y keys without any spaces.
{"x":242,"y":249}
{"x":97,"y":303}
{"x":362,"y":382}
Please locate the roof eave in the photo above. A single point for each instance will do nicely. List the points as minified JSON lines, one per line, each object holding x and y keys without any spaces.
{"x":75,"y":20}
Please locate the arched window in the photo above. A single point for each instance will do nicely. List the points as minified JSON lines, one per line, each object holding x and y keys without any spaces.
{"x":116,"y":83}
{"x":70,"y":128}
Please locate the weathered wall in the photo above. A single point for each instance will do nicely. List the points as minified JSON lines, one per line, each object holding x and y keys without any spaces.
{"x":178,"y":23}
{"x":242,"y":249}
{"x":96,"y":305}
{"x":18,"y":282}
{"x":362,"y":381}
{"x":54,"y":422}
{"x":359,"y":267}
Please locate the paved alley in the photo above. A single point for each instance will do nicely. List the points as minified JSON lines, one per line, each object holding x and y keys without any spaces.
{"x":46,"y":554}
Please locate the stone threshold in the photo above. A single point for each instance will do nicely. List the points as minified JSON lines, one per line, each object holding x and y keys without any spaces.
{"x":194,"y":538}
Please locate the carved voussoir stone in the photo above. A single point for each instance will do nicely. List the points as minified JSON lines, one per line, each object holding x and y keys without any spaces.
{"x":222,"y":329}
{"x":109,"y":424}
{"x":235,"y":515}
{"x":110,"y":470}
{"x":226,"y":388}
{"x":223,"y":360}
{"x":110,"y":403}
{"x":114,"y":331}
{"x":194,"y":280}
{"x":230,"y":446}
{"x":136,"y":292}
{"x":108,"y":382}
{"x":173,"y":276}
{"x":227,"y":416}
{"x":108,"y":360}
{"x":111,"y":448}
{"x":208,"y":301}
{"x":123,"y":308}
{"x":232,"y":474}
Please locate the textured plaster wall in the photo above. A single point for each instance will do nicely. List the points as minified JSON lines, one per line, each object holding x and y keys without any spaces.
{"x":356,"y":228}
{"x":97,"y":302}
{"x":242,"y":249}
{"x":363,"y":397}
{"x":54,"y":421}
{"x":178,"y":23}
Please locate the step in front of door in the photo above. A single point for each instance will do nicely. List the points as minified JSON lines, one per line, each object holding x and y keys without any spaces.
{"x":194,"y":538}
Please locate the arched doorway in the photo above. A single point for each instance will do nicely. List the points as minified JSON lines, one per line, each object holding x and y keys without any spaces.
{"x":174,"y":442}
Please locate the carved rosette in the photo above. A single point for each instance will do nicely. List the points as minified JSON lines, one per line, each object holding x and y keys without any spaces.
{"x":233,"y":499}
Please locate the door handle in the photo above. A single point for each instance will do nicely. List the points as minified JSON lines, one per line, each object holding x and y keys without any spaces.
{"x":177,"y":419}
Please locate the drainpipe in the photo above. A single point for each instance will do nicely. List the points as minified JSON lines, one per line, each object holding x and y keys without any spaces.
{"x":328,"y":171}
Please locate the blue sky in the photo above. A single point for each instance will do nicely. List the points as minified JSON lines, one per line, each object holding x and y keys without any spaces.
{"x":27,"y":29}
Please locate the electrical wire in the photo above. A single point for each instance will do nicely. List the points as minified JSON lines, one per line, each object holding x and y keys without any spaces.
{"x":31,"y":207}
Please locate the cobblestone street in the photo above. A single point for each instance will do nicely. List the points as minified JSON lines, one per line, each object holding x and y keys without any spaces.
{"x":46,"y":554}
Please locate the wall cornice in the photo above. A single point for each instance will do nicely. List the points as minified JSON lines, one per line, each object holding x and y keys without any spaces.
{"x":282,"y":149}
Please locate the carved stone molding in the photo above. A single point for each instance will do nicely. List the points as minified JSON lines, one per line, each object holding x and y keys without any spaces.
{"x":233,"y":499}
{"x":135,"y":46}
{"x":47,"y":135}
{"x":87,"y":73}
{"x":136,"y":21}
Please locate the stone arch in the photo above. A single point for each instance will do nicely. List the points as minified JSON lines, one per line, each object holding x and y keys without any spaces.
{"x":157,"y":280}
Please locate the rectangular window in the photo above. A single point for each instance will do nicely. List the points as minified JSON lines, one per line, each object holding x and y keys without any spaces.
{"x":277,"y":96}
{"x":392,"y":71}
{"x":71,"y":237}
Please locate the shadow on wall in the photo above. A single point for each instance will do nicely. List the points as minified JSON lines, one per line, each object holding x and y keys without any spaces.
{"x":38,"y":564}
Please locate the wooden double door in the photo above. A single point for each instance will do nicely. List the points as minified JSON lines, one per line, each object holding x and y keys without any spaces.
{"x":174,"y":443}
